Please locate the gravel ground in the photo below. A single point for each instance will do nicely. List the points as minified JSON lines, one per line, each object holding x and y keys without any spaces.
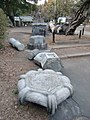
{"x":14,"y":63}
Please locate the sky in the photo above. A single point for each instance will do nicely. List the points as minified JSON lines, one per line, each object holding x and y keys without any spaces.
{"x":40,"y":2}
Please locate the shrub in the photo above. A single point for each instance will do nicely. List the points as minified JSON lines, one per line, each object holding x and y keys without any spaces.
{"x":3,"y":26}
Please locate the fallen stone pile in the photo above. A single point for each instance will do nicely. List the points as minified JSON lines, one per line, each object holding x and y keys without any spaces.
{"x":45,"y":59}
{"x":47,"y":86}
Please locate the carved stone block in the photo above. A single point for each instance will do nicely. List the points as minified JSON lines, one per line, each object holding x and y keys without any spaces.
{"x":39,"y":29}
{"x":37,"y":42}
{"x":45,"y":87}
{"x":48,"y":60}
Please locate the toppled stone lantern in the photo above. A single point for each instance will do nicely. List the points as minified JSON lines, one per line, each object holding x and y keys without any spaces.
{"x":48,"y":60}
{"x":39,"y":29}
{"x":16,"y":44}
{"x":37,"y":42}
{"x":45,"y":87}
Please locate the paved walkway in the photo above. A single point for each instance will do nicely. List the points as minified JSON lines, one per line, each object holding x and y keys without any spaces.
{"x":78,"y":70}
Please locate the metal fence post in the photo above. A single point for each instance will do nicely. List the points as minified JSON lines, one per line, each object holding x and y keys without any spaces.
{"x":53,"y":35}
{"x":80,"y":33}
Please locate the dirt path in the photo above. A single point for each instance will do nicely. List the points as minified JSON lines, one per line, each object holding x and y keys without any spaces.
{"x":12,"y":64}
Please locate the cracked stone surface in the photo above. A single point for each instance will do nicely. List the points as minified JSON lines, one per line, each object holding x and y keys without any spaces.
{"x":45,"y":87}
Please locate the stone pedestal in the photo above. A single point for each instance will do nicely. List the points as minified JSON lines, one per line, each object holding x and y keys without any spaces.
{"x":37,"y":42}
{"x":39,"y":29}
{"x":45,"y":87}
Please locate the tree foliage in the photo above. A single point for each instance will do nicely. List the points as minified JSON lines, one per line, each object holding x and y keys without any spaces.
{"x":79,"y":16}
{"x":63,"y":7}
{"x":47,"y":10}
{"x":12,"y":8}
{"x":3,"y":25}
{"x":57,"y":8}
{"x":81,"y":10}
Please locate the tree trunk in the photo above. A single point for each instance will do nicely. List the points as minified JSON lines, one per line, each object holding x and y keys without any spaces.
{"x":72,"y":27}
{"x":79,"y":18}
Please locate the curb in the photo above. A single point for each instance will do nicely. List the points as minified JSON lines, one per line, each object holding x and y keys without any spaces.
{"x":68,"y":46}
{"x":75,"y":55}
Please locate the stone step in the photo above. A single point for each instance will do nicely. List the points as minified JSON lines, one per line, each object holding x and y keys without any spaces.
{"x":75,"y":55}
{"x":68,"y":46}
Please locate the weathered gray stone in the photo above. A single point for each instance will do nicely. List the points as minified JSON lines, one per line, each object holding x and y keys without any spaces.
{"x":15,"y":43}
{"x":45,"y":87}
{"x":32,"y":53}
{"x":39,"y":28}
{"x":37,"y":42}
{"x":55,"y":65}
{"x":48,"y":61}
